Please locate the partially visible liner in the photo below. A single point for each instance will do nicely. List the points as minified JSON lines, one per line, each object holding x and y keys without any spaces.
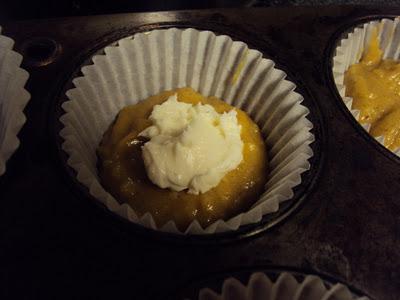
{"x":148,"y":63}
{"x":13,"y":99}
{"x":286,"y":287}
{"x":350,"y":51}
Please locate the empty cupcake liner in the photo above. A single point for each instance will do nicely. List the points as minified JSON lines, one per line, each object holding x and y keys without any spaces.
{"x":13,"y":99}
{"x":350,"y":51}
{"x":148,"y":63}
{"x":286,"y":287}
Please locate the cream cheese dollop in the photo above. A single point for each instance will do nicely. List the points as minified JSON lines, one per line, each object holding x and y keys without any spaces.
{"x":191,"y":146}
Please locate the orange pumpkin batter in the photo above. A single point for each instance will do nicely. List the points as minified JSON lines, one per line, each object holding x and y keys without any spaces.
{"x":123,"y":174}
{"x":374,"y":85}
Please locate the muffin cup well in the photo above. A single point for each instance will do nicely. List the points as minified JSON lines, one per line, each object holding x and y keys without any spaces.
{"x":286,"y":287}
{"x":350,"y":49}
{"x":148,"y":63}
{"x":13,"y":99}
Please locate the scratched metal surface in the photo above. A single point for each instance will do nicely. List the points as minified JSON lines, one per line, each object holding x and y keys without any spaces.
{"x":57,"y":243}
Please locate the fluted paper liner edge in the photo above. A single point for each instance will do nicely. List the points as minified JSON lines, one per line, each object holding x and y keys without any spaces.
{"x":13,"y":99}
{"x":286,"y":287}
{"x":146,"y":64}
{"x":350,"y":50}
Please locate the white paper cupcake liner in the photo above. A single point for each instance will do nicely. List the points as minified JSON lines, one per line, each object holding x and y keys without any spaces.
{"x":13,"y":99}
{"x":286,"y":287}
{"x":350,"y":51}
{"x":148,"y":63}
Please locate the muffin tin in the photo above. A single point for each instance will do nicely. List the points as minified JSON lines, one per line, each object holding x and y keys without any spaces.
{"x":343,"y":223}
{"x":286,"y":130}
{"x":13,"y":98}
{"x":268,"y":284}
{"x":349,"y":52}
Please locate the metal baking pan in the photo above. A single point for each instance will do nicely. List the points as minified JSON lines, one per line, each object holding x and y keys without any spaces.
{"x":57,"y":242}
